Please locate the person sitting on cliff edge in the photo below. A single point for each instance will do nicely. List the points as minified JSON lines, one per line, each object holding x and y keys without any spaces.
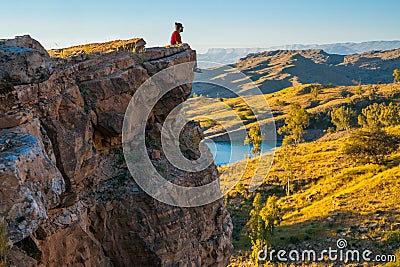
{"x":176,"y":35}
{"x":177,"y":40}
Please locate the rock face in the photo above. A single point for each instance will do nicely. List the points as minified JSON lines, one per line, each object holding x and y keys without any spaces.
{"x":22,"y":61}
{"x":66,"y":193}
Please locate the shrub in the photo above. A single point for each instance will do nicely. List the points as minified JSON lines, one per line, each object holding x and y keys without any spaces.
{"x":393,"y":236}
{"x":243,"y":117}
{"x":342,"y":117}
{"x":379,"y":115}
{"x":371,"y":146}
{"x":396,"y":75}
{"x":281,"y":102}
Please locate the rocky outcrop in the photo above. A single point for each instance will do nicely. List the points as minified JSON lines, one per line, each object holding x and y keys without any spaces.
{"x":23,"y":61}
{"x":66,"y":193}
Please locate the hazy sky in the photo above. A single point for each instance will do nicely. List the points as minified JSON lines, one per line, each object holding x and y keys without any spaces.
{"x":208,"y":23}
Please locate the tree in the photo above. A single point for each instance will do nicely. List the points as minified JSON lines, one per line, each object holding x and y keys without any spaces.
{"x":376,"y":116}
{"x":271,"y":213}
{"x":315,"y":92}
{"x":396,"y":75}
{"x":263,"y":219}
{"x":342,"y":117}
{"x":254,"y":138}
{"x":240,"y":188}
{"x":359,"y":90}
{"x":372,"y":92}
{"x":256,"y":223}
{"x":296,"y":121}
{"x":371,"y":145}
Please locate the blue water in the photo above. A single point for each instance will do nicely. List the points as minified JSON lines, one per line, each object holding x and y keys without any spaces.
{"x":222,"y":151}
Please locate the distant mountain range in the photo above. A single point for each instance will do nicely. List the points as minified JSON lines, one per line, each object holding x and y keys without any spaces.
{"x":232,"y":55}
{"x":272,"y":71}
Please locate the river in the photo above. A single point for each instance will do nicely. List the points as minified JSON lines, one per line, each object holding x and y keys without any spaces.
{"x":227,"y":152}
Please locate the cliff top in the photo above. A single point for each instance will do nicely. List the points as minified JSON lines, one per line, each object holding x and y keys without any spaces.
{"x":132,"y":45}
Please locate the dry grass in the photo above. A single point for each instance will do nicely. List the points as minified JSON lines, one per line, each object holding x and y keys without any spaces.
{"x":331,"y":198}
{"x":89,"y":49}
{"x":279,"y":102}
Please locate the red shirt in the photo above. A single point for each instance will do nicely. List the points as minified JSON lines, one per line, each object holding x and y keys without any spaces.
{"x":176,"y":38}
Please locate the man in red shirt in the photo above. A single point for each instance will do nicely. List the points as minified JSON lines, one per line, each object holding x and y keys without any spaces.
{"x":176,"y":40}
{"x":176,"y":36}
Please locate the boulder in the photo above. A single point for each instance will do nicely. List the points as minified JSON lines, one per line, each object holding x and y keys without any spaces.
{"x":23,"y":61}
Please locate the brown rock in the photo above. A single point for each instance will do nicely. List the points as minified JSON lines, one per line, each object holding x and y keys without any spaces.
{"x":14,"y":118}
{"x":22,"y":61}
{"x":156,"y":155}
{"x":31,"y":183}
{"x":100,"y":217}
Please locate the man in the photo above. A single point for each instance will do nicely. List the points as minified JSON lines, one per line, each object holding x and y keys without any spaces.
{"x":176,"y":40}
{"x":176,"y":36}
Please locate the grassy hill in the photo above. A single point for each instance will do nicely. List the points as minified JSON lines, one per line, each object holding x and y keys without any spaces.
{"x":331,"y":196}
{"x":272,"y":71}
{"x":317,"y":104}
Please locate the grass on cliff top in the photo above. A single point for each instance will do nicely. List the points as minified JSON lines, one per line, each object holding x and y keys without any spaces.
{"x":89,"y":49}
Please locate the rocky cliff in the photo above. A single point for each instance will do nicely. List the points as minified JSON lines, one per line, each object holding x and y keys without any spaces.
{"x":66,"y":194}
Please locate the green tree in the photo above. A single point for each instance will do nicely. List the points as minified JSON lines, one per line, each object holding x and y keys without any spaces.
{"x":396,"y":75}
{"x":262,"y":222}
{"x":256,"y":223}
{"x":342,"y":117}
{"x":240,"y":188}
{"x":376,"y":116}
{"x":254,"y":138}
{"x":271,"y":213}
{"x":371,"y":145}
{"x":296,"y":121}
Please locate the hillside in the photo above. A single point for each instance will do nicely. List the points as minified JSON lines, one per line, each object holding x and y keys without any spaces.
{"x":331,"y":198}
{"x":331,"y":195}
{"x":232,"y":55}
{"x":327,"y":97}
{"x":272,"y":71}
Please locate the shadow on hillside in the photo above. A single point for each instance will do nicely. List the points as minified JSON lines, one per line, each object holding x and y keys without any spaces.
{"x":361,"y":231}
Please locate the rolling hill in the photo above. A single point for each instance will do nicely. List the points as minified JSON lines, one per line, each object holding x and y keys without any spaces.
{"x":232,"y":55}
{"x":272,"y":71}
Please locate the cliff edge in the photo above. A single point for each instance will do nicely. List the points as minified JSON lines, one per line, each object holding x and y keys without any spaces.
{"x":66,"y":194}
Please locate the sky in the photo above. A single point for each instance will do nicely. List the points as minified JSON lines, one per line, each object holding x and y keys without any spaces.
{"x":208,"y":23}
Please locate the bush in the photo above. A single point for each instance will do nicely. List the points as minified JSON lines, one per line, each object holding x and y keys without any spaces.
{"x":342,"y":118}
{"x":371,"y":146}
{"x":208,"y":123}
{"x":393,"y":236}
{"x":379,"y":115}
{"x":281,"y":102}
